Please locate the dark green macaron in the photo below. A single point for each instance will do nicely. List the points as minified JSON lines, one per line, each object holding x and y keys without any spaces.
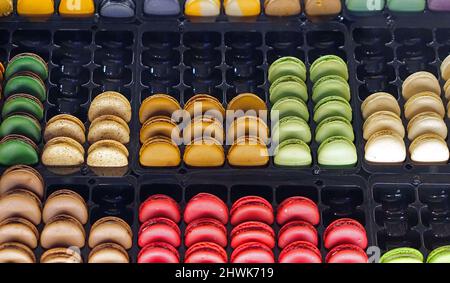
{"x":21,"y":124}
{"x":289,"y":106}
{"x":16,"y":149}
{"x":291,"y":127}
{"x":28,"y":83}
{"x":328,"y":65}
{"x":288,"y":86}
{"x":293,"y":152}
{"x":332,"y":106}
{"x":287,"y":66}
{"x":334,"y":126}
{"x":27,"y":62}
{"x":337,"y":151}
{"x":23,"y":103}
{"x":331,"y":86}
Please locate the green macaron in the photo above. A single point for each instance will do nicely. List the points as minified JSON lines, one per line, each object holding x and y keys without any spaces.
{"x":337,"y":151}
{"x":287,"y":66}
{"x":288,"y":86}
{"x":332,"y":106}
{"x":293,"y":152}
{"x":27,"y":62}
{"x":23,"y":103}
{"x":289,"y":106}
{"x":413,"y":5}
{"x":328,"y":65}
{"x":334,"y":126}
{"x":402,"y":255}
{"x":291,"y":127}
{"x":331,"y":86}
{"x":16,"y":149}
{"x":364,"y":5}
{"x":439,"y":255}
{"x":25,"y":83}
{"x":21,"y":124}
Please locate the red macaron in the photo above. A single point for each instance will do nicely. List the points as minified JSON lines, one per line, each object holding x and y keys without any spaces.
{"x":206,"y":205}
{"x":345,"y":231}
{"x":159,"y":206}
{"x":205,"y":230}
{"x":251,"y":208}
{"x":158,"y":253}
{"x":347,"y":254}
{"x":297,"y":231}
{"x":300,"y":252}
{"x":159,"y":230}
{"x":298,"y":208}
{"x":252,"y":252}
{"x":252,"y":231}
{"x":206,"y":253}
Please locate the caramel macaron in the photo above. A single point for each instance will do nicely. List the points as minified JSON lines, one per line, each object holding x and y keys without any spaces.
{"x":427,"y":123}
{"x":63,"y":231}
{"x":248,"y":126}
{"x":248,"y":151}
{"x":65,"y":202}
{"x":420,"y":82}
{"x":20,"y":203}
{"x":380,"y":101}
{"x":16,"y":253}
{"x":159,"y":126}
{"x":20,"y":230}
{"x":65,"y":125}
{"x":109,"y":127}
{"x":385,"y":147}
{"x":249,"y":103}
{"x":159,"y":151}
{"x":61,"y":255}
{"x":158,"y":105}
{"x":205,"y":105}
{"x":107,"y":153}
{"x":429,"y":148}
{"x":204,"y":152}
{"x":110,"y":103}
{"x":108,"y":253}
{"x":22,"y":177}
{"x":111,"y":230}
{"x":383,"y":120}
{"x":203,"y":127}
{"x":424,"y":102}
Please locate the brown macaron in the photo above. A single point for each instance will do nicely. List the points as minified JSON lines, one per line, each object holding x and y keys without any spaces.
{"x":61,"y":255}
{"x":108,"y":253}
{"x":21,"y":203}
{"x":63,"y":231}
{"x":19,"y":230}
{"x":111,"y":229}
{"x":16,"y":253}
{"x":22,"y":177}
{"x":65,"y":202}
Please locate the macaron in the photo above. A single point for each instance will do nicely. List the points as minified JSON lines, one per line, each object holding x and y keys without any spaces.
{"x":25,"y":82}
{"x":61,"y":255}
{"x":6,"y":8}
{"x":413,"y":6}
{"x":205,"y":105}
{"x":20,"y":203}
{"x":445,"y":69}
{"x":252,"y":231}
{"x":205,"y":230}
{"x":334,"y":126}
{"x":282,"y":8}
{"x":204,"y":152}
{"x":324,"y":8}
{"x":202,"y":8}
{"x":108,"y":253}
{"x":332,"y":106}
{"x":383,"y":121}
{"x":107,"y":154}
{"x":424,"y":102}
{"x":162,"y":7}
{"x":205,"y":205}
{"x":84,"y":8}
{"x":63,"y":231}
{"x":159,"y":151}
{"x":379,"y":101}
{"x":420,"y":82}
{"x":298,"y":208}
{"x":287,"y":66}
{"x":402,"y":255}
{"x":361,"y":6}
{"x":110,"y":103}
{"x":158,"y":105}
{"x":439,"y":255}
{"x":32,"y":9}
{"x":159,"y":230}
{"x":159,"y":206}
{"x":248,"y":152}
{"x":23,"y":103}
{"x":295,"y":231}
{"x":161,"y":126}
{"x":247,"y":102}
{"x":27,"y":62}
{"x":158,"y":253}
{"x":248,"y":126}
{"x":242,"y":8}
{"x":385,"y":147}
{"x":111,"y":229}
{"x":345,"y":231}
{"x":427,"y":122}
{"x":252,"y":252}
{"x":251,"y":208}
{"x":291,"y":127}
{"x":200,"y":128}
{"x":21,"y":124}
{"x":65,"y":125}
{"x":16,"y":253}
{"x":289,"y":106}
{"x":22,"y":177}
{"x":288,"y":86}
{"x":429,"y":148}
{"x":300,"y":252}
{"x":331,"y":86}
{"x":293,"y":152}
{"x":347,"y":254}
{"x":447,"y":90}
{"x":328,"y":65}
{"x":206,"y":253}
{"x":114,"y":9}
{"x":63,"y":151}
{"x":65,"y":202}
{"x":17,"y":149}
{"x":19,"y":230}
{"x":337,"y":151}
{"x":109,"y":127}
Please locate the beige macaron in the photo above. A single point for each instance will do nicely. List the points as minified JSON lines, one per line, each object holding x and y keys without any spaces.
{"x":445,"y":69}
{"x":65,"y":202}
{"x":63,"y":231}
{"x":383,"y":120}
{"x":447,"y":90}
{"x":20,"y":203}
{"x":110,"y":103}
{"x":109,"y":127}
{"x":20,"y":230}
{"x":22,"y":177}
{"x":427,"y":123}
{"x":380,"y":101}
{"x":424,"y":102}
{"x":61,"y":255}
{"x":16,"y":253}
{"x":63,"y":151}
{"x":65,"y":125}
{"x":108,"y":253}
{"x":111,"y":230}
{"x":107,"y":153}
{"x":420,"y":82}
{"x":385,"y":147}
{"x":429,"y":148}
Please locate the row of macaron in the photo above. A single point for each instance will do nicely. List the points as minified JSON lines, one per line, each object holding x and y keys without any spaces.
{"x":252,"y":238}
{"x":205,"y":8}
{"x":333,"y":115}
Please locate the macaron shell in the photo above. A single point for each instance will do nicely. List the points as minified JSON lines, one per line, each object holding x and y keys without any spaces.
{"x":345,"y":231}
{"x":287,"y":66}
{"x":385,"y":147}
{"x":247,"y":102}
{"x":380,"y":101}
{"x":291,"y":128}
{"x":107,"y":153}
{"x":65,"y":202}
{"x":427,"y":123}
{"x":439,"y":255}
{"x":64,"y":125}
{"x":295,"y":231}
{"x":108,"y":253}
{"x":337,"y":151}
{"x":206,"y":205}
{"x":159,"y":152}
{"x":62,"y":151}
{"x":23,"y":103}
{"x":289,"y":106}
{"x":206,"y":253}
{"x":298,"y":208}
{"x":251,"y":208}
{"x":383,"y":120}
{"x":402,"y":255}
{"x":21,"y":124}
{"x":159,"y":206}
{"x":158,"y":253}
{"x":331,"y":86}
{"x":206,"y":105}
{"x":424,"y":102}
{"x":205,"y":230}
{"x":347,"y":254}
{"x":158,"y":105}
{"x":248,"y":126}
{"x":16,"y":253}
{"x":22,"y":177}
{"x":109,"y":127}
{"x":332,"y":106}
{"x":25,"y":83}
{"x":293,"y":152}
{"x":27,"y":62}
{"x":19,"y":230}
{"x":252,"y":252}
{"x":159,"y":126}
{"x":111,"y":230}
{"x":420,"y":82}
{"x":288,"y":86}
{"x":206,"y":152}
{"x":429,"y":148}
{"x":334,"y":126}
{"x":328,"y":65}
{"x":248,"y":152}
{"x":110,"y":103}
{"x":22,"y":204}
{"x":300,"y":252}
{"x":159,"y":230}
{"x":252,"y":232}
{"x":62,"y":231}
{"x":61,"y":255}
{"x":16,"y":149}
{"x":202,"y":127}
